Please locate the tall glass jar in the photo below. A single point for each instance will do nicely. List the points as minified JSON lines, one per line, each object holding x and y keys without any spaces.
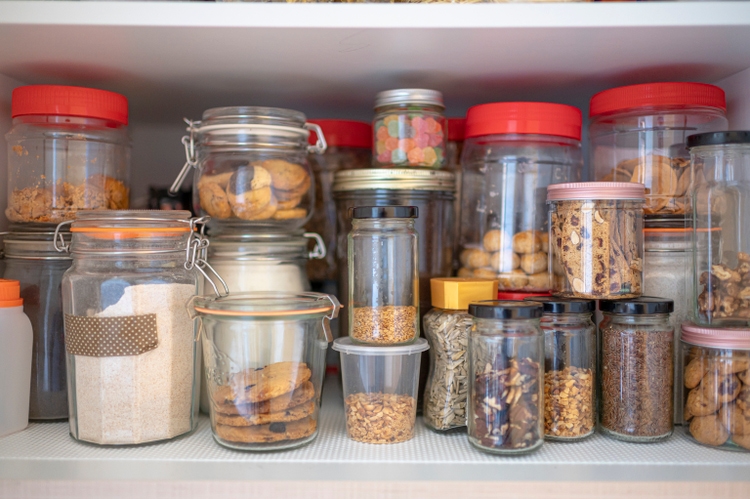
{"x":383,"y":275}
{"x":721,"y":213}
{"x":454,"y":148}
{"x":506,"y":372}
{"x":569,"y":368}
{"x":513,"y":151}
{"x":130,"y":342}
{"x":637,"y":369}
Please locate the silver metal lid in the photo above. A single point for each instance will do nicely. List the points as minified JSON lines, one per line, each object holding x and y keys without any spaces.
{"x":394,"y":179}
{"x":409,"y":96}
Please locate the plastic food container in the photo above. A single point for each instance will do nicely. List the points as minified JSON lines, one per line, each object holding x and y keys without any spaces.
{"x":596,"y":235}
{"x":638,"y":134}
{"x":409,"y":129}
{"x":513,"y":151}
{"x":716,"y":386}
{"x":721,"y":270}
{"x":383,"y":275}
{"x":380,"y":390}
{"x":264,"y":354}
{"x":252,"y":167}
{"x":68,"y":150}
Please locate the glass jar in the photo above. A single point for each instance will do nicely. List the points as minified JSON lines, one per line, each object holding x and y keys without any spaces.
{"x":638,"y":134}
{"x":454,"y":147}
{"x":383,"y":275}
{"x":637,"y":369}
{"x":130,"y":342}
{"x":596,"y":235}
{"x":31,"y":259}
{"x":716,"y":386}
{"x":721,"y":270}
{"x":265,"y":361}
{"x":447,"y":327}
{"x":252,"y":168}
{"x":349,"y":147}
{"x":68,"y":150}
{"x":569,"y":368}
{"x":409,"y":129}
{"x":513,"y":151}
{"x":506,"y":371}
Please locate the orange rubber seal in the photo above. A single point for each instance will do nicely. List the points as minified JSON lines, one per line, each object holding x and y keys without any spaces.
{"x":130,"y":232}
{"x":271,"y":313}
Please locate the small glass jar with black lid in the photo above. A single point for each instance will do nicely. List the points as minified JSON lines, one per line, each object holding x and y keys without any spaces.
{"x":506,"y":355}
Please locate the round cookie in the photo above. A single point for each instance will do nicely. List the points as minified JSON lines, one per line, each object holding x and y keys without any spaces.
{"x":213,"y":200}
{"x":538,"y":281}
{"x":694,"y":372}
{"x":515,"y":279}
{"x":274,"y":432}
{"x":292,"y":203}
{"x":534,"y":263}
{"x":222,"y":179}
{"x":526,"y":242}
{"x":248,"y":178}
{"x":250,"y":203}
{"x":464,"y":272}
{"x":289,"y":195}
{"x":744,"y":377}
{"x":735,"y":419}
{"x":708,"y":430}
{"x":698,"y":404}
{"x":304,"y":393}
{"x":742,"y":440}
{"x":269,"y":212}
{"x":504,"y":261}
{"x":496,"y":240}
{"x":474,"y":258}
{"x":290,"y":214}
{"x":257,"y":385}
{"x":722,"y":388}
{"x":286,"y":176}
{"x":290,"y":414}
{"x":731,"y":366}
{"x":544,"y":240}
{"x":485,"y":274}
{"x":743,"y":399}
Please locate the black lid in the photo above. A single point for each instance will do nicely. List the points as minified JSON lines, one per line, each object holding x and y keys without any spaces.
{"x":638,"y":306}
{"x":553,"y":305}
{"x":718,"y":138}
{"x":384,"y":212}
{"x":505,"y":309}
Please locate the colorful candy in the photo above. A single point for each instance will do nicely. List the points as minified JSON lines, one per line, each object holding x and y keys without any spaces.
{"x":410,"y":139}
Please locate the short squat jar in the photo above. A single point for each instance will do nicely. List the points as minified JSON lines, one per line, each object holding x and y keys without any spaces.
{"x":383,"y":275}
{"x":637,"y":369}
{"x":506,"y":370}
{"x":569,"y":368}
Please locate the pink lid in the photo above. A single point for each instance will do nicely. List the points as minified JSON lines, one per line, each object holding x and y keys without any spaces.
{"x":715,"y":337}
{"x":596,"y":190}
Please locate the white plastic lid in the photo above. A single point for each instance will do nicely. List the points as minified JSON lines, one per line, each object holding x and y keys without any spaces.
{"x":345,"y":345}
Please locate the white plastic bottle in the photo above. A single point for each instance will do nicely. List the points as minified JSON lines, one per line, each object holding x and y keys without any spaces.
{"x":16,"y":342}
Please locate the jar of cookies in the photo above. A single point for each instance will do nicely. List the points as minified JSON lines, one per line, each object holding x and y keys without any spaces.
{"x":716,"y":391}
{"x":639,"y":134}
{"x":264,"y":355}
{"x":512,"y":152}
{"x":252,"y":167}
{"x":68,"y":150}
{"x":596,"y":234}
{"x":721,"y":270}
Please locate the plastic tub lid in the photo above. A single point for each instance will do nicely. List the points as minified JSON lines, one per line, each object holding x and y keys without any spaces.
{"x":456,"y":129}
{"x":665,"y":94}
{"x":541,"y":118}
{"x":343,"y":133}
{"x":714,"y":337}
{"x":596,"y":190}
{"x":346,"y":345}
{"x":60,"y":100}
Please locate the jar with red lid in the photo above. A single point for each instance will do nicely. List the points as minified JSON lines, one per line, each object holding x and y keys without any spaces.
{"x":68,"y":150}
{"x":639,"y":134}
{"x":512,"y":152}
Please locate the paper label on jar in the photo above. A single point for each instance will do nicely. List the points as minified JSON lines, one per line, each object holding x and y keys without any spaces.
{"x":110,"y":336}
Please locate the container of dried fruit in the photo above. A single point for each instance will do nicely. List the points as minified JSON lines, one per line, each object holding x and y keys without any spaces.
{"x":380,"y":390}
{"x":721,"y":261}
{"x":68,"y":150}
{"x":409,"y":129}
{"x":569,"y":367}
{"x":446,"y":328}
{"x":506,"y":373}
{"x":596,"y":239}
{"x":716,"y":386}
{"x":264,"y":354}
{"x":639,"y":134}
{"x":512,"y":152}
{"x":637,"y":369}
{"x":251,"y":167}
{"x":383,"y":275}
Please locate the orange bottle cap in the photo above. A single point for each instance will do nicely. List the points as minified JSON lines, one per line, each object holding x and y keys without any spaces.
{"x":10,"y":293}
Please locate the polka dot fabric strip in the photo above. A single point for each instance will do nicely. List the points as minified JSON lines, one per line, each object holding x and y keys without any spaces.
{"x":110,"y":336}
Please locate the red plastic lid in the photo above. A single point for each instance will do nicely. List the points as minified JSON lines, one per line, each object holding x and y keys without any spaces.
{"x":58,"y":100}
{"x":596,"y":190}
{"x":10,"y":293}
{"x":456,"y":129}
{"x":714,"y":337}
{"x":344,"y":133}
{"x":541,"y":118}
{"x":622,"y":99}
{"x":502,"y":295}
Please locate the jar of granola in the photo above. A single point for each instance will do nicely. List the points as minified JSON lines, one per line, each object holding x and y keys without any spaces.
{"x":596,"y":239}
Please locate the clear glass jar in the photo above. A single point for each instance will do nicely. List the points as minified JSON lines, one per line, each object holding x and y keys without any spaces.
{"x":506,"y":372}
{"x":513,"y":151}
{"x":252,"y":168}
{"x":265,"y":362}
{"x":638,"y":134}
{"x":721,"y":269}
{"x":716,"y":386}
{"x":383,"y":275}
{"x":454,"y":147}
{"x":569,"y":368}
{"x":446,"y":328}
{"x":349,"y":147}
{"x":68,"y":150}
{"x":130,"y":342}
{"x":596,"y":239}
{"x":409,"y":129}
{"x":637,"y":369}
{"x":31,"y":259}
